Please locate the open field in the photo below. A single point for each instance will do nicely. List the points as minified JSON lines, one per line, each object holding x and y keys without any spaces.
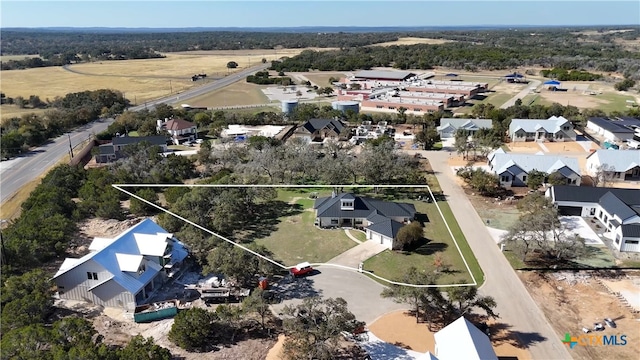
{"x":393,"y":265}
{"x":413,"y":41}
{"x":321,"y":78}
{"x":238,"y":93}
{"x":297,"y":239}
{"x":140,"y":80}
{"x":16,"y":57}
{"x":9,"y":111}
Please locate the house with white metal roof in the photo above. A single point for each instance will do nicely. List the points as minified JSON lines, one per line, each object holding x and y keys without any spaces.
{"x":617,"y":165}
{"x":449,"y":126}
{"x":380,"y":219}
{"x":463,"y":340}
{"x":122,"y":272}
{"x":555,"y":128}
{"x":513,"y":169}
{"x":617,"y":209}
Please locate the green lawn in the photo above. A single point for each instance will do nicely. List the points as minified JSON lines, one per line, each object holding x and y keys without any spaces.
{"x":392,"y":265}
{"x":322,"y":79}
{"x":615,"y":102}
{"x":597,"y":257}
{"x":359,"y":235}
{"x":497,"y":99}
{"x":297,"y":239}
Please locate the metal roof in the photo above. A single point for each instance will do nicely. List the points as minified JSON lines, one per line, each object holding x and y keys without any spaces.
{"x":386,"y":227}
{"x":127,"y":140}
{"x":458,"y":123}
{"x":611,"y":126}
{"x":615,"y":205}
{"x":618,"y":160}
{"x":382,"y":74}
{"x":550,"y":125}
{"x":177,"y":124}
{"x":463,"y":340}
{"x":313,"y":125}
{"x":631,"y":197}
{"x":631,"y":230}
{"x":501,"y":162}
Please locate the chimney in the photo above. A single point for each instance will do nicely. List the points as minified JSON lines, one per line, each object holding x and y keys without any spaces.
{"x":333,"y":193}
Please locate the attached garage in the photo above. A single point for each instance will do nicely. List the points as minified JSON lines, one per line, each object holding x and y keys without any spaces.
{"x":570,"y":210}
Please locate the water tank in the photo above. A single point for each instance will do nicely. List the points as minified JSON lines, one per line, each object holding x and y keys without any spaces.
{"x":289,"y":105}
{"x":343,"y":106}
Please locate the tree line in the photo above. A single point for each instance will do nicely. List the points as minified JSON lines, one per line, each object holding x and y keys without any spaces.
{"x":18,"y":134}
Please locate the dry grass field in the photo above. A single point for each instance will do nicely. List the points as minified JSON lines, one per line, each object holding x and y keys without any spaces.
{"x":239,"y":93}
{"x":140,"y":80}
{"x":9,"y":111}
{"x":413,"y":41}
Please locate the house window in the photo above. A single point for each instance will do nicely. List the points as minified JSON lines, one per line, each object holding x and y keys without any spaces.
{"x":334,"y":221}
{"x":632,"y":242}
{"x":560,"y":136}
{"x":592,"y":211}
{"x":92,"y":275}
{"x":505,"y":178}
{"x":524,"y":178}
{"x":600,"y":214}
{"x":565,"y":128}
{"x":392,"y":107}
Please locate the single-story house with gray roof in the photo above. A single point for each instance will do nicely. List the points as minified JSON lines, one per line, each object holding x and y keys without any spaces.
{"x":449,"y":126}
{"x":381,"y":220}
{"x":555,"y":128}
{"x":618,"y":165}
{"x":113,"y":151}
{"x":513,"y":169}
{"x":613,"y":130}
{"x":617,"y":209}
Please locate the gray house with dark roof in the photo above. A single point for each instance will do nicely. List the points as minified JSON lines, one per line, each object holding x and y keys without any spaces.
{"x":317,"y":130}
{"x":380,"y":219}
{"x":614,"y":130}
{"x":618,"y":210}
{"x":113,"y":151}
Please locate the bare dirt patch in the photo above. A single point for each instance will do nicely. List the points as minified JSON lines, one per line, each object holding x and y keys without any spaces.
{"x":413,"y":41}
{"x":564,"y":147}
{"x":526,"y":147}
{"x":400,"y":328}
{"x":575,"y":98}
{"x":571,"y":305}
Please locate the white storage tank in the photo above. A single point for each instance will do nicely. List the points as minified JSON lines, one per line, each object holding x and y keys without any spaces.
{"x":343,"y":106}
{"x":288,"y":106}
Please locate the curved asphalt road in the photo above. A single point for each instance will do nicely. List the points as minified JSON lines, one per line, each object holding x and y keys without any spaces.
{"x":16,"y":172}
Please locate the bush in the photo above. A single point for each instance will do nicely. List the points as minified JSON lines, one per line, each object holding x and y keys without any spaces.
{"x":408,"y":235}
{"x":193,"y":329}
{"x":624,"y":85}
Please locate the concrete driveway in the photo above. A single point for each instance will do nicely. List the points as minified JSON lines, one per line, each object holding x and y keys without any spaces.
{"x":361,"y":293}
{"x":358,"y":254}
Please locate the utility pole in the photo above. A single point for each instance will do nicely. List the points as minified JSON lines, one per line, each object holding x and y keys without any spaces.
{"x":170,"y":87}
{"x":70,"y":147}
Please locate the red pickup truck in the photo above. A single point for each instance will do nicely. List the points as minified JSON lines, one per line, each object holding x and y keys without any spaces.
{"x":301,"y":269}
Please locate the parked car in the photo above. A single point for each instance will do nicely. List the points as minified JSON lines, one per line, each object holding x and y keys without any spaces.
{"x":301,"y":269}
{"x":610,"y":323}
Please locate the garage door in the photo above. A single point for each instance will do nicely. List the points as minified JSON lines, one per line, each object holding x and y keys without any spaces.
{"x":570,"y":210}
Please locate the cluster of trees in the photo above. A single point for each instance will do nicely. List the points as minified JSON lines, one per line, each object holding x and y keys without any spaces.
{"x":625,"y":85}
{"x":569,"y":75}
{"x":536,"y":178}
{"x":19,"y":133}
{"x":482,"y":142}
{"x":492,"y":50}
{"x":33,"y":101}
{"x":480,"y":180}
{"x":434,"y":306}
{"x":262,"y":78}
{"x":539,"y":231}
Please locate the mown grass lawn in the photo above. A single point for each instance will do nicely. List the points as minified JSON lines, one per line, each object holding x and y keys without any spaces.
{"x":297,"y":239}
{"x":393,"y":265}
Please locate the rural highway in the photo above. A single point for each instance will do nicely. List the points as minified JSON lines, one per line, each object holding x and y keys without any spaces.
{"x":16,"y":172}
{"x":514,"y":304}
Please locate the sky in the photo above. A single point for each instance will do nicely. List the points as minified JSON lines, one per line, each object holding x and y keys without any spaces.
{"x":238,"y":13}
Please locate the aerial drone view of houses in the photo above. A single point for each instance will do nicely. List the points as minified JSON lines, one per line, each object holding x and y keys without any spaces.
{"x":320,"y":193}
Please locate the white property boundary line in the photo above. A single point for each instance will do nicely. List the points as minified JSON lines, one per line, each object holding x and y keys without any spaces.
{"x":475,"y":283}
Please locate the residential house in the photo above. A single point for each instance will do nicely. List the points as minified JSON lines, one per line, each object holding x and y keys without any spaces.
{"x":123,"y":271}
{"x":317,"y":130}
{"x":618,"y":210}
{"x":180,"y":130}
{"x":113,"y":151}
{"x":380,"y":219}
{"x":449,"y":126}
{"x":615,"y":130}
{"x":463,"y":340}
{"x":552,"y":129}
{"x":616,"y":165}
{"x":513,"y":169}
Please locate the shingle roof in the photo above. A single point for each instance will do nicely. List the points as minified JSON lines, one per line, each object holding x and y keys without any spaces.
{"x":501,"y":162}
{"x":363,"y":207}
{"x":550,"y":125}
{"x":126,"y":140}
{"x":458,"y":123}
{"x":119,"y":255}
{"x":177,"y":124}
{"x":313,"y":125}
{"x":619,"y":160}
{"x":381,"y":74}
{"x":631,"y":230}
{"x":106,"y":149}
{"x":386,"y":227}
{"x":611,"y":126}
{"x":631,"y":197}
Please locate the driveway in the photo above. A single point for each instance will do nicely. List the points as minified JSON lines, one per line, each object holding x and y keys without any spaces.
{"x":361,"y":293}
{"x":358,"y":254}
{"x":526,"y":91}
{"x":514,"y":304}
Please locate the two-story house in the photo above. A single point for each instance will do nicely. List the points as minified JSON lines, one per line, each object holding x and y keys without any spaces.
{"x":113,"y":151}
{"x":122,"y":272}
{"x":317,"y":130}
{"x":179,"y":130}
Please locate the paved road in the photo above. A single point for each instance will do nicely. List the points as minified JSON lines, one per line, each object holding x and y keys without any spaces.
{"x":526,"y":91}
{"x":515,"y":305}
{"x":19,"y":171}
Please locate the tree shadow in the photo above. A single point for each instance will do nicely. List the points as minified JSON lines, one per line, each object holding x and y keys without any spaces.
{"x":422,"y":218}
{"x":384,"y":350}
{"x":267,"y":217}
{"x":426,"y":247}
{"x":290,"y":288}
{"x":501,"y":334}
